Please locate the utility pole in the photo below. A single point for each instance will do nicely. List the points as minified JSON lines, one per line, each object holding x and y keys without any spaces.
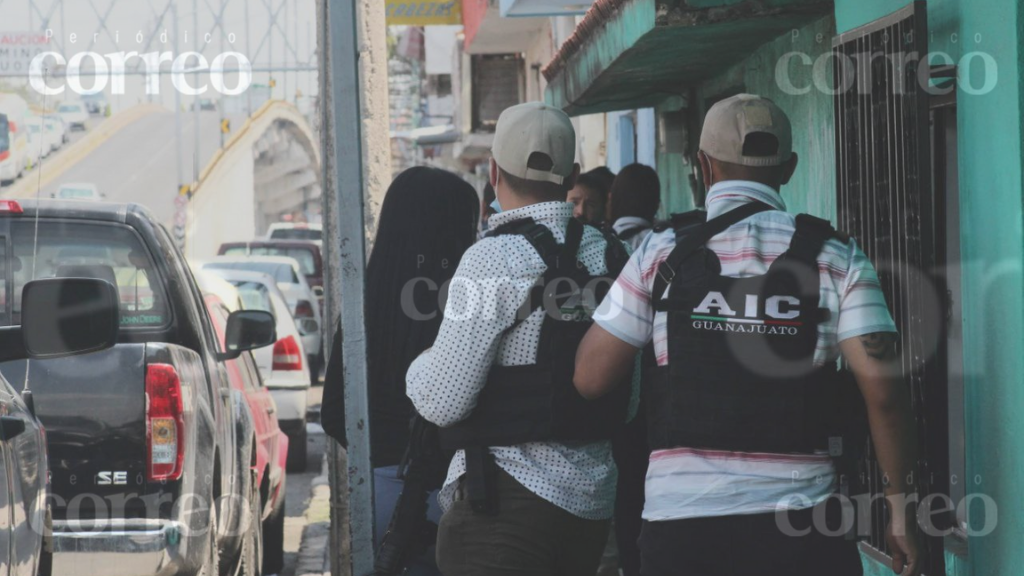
{"x":344,"y":215}
{"x":182,"y":197}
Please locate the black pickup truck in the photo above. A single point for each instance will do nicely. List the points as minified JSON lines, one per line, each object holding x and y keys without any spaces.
{"x":151,"y":452}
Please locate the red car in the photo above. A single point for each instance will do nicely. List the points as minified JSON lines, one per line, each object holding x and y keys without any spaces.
{"x":272,"y":445}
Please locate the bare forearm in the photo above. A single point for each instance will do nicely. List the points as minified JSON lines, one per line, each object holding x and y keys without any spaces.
{"x":875,"y":364}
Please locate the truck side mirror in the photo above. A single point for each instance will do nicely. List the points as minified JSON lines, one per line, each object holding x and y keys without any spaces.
{"x":248,"y":330}
{"x":68,"y":316}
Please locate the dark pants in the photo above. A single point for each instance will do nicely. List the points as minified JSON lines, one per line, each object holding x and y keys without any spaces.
{"x":528,"y":537}
{"x":631,"y":457}
{"x":748,"y":545}
{"x":387,"y":487}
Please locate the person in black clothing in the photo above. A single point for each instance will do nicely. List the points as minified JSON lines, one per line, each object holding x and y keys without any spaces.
{"x":428,"y":219}
{"x":634,"y":201}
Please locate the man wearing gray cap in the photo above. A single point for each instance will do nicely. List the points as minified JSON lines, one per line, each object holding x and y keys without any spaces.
{"x":749,"y":308}
{"x":531,"y":488}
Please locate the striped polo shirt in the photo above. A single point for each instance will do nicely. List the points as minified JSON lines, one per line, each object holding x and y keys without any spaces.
{"x":689,"y":483}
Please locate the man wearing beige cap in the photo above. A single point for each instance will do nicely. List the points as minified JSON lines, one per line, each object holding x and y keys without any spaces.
{"x":532,"y":485}
{"x":749,"y":308}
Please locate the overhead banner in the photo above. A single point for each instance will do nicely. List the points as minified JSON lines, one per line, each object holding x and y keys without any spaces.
{"x":423,"y":12}
{"x":17,"y":49}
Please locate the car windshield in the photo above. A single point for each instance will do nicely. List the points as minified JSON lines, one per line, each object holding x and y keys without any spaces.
{"x":75,"y":193}
{"x":297,"y":234}
{"x":279,"y":272}
{"x":304,"y":256}
{"x":255,"y":296}
{"x":109,"y":252}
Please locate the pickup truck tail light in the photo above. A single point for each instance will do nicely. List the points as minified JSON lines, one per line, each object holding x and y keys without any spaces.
{"x":287,"y":354}
{"x":165,"y":423}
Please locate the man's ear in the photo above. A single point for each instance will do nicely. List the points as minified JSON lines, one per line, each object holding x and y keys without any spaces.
{"x":493,"y":175}
{"x":705,"y":168}
{"x":789,"y":168}
{"x":570,"y":181}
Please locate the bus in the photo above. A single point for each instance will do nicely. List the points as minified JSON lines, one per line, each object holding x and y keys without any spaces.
{"x":14,"y":157}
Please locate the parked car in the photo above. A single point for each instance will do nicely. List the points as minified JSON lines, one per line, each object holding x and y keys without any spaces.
{"x":56,"y":133}
{"x":222,"y":298}
{"x":150,"y":448}
{"x":305,"y":252}
{"x":61,"y":127}
{"x":14,"y":148}
{"x":302,"y":300}
{"x":95,"y":103}
{"x":78,"y":191}
{"x":38,"y":145}
{"x":282,"y":369}
{"x":62,"y":317}
{"x":74,"y":114}
{"x":296,"y":231}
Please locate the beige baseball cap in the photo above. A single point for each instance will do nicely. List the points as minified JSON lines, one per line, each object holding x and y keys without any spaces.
{"x":730,"y":121}
{"x":530,"y":128}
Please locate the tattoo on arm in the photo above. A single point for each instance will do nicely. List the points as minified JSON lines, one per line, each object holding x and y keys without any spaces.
{"x":880,"y":345}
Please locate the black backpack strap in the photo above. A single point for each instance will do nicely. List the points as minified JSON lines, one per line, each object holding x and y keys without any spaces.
{"x":809,"y":238}
{"x":697,"y":238}
{"x":630,"y":232}
{"x":689,"y":219}
{"x":615,"y":254}
{"x":538,"y":235}
{"x":571,"y":248}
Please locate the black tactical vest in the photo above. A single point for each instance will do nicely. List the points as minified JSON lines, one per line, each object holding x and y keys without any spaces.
{"x":740,"y":373}
{"x":538,"y":402}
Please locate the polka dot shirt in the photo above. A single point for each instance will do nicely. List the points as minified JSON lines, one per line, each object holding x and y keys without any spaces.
{"x":492,"y":281}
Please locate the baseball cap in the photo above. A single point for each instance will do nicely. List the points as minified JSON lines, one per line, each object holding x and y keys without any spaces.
{"x":730,"y":121}
{"x":530,"y":128}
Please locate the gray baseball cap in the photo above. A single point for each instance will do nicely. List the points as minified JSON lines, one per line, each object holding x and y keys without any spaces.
{"x":530,"y":128}
{"x":730,"y":121}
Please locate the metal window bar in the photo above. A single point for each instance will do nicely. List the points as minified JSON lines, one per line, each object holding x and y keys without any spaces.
{"x":885,"y":200}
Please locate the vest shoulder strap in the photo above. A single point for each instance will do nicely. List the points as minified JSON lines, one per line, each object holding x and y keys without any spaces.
{"x":538,"y":235}
{"x":692,"y":235}
{"x":810,"y":237}
{"x":615,"y":254}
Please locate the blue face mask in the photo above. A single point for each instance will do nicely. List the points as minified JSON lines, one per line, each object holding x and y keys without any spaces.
{"x":496,"y":206}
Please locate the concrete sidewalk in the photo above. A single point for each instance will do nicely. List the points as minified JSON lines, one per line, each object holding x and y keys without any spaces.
{"x":314,"y":557}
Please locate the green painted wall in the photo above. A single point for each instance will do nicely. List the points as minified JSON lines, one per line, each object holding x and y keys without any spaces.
{"x":991,"y":244}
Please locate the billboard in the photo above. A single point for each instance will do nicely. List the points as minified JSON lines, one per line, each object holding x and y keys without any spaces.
{"x":423,"y":12}
{"x":17,"y":49}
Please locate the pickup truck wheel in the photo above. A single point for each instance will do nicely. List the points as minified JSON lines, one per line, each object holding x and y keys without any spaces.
{"x":211,"y":564}
{"x":297,"y":452}
{"x":273,"y":540}
{"x":250,"y":563}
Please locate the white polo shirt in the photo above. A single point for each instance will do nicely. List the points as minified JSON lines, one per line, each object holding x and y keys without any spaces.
{"x":688,"y":483}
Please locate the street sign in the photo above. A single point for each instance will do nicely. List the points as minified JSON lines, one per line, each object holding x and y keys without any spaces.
{"x":423,"y":12}
{"x":17,"y":49}
{"x":225,"y":126}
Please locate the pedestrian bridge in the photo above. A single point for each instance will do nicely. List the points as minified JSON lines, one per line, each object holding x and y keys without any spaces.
{"x":269,"y":167}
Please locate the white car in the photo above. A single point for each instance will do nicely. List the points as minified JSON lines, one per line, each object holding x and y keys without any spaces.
{"x":78,"y":191}
{"x":56,"y":132}
{"x":283,"y":371}
{"x":74,"y":114}
{"x":296,"y":231}
{"x":38,"y":144}
{"x":302,"y":302}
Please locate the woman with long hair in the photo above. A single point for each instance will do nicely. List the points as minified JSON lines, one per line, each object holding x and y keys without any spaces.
{"x":427,"y":221}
